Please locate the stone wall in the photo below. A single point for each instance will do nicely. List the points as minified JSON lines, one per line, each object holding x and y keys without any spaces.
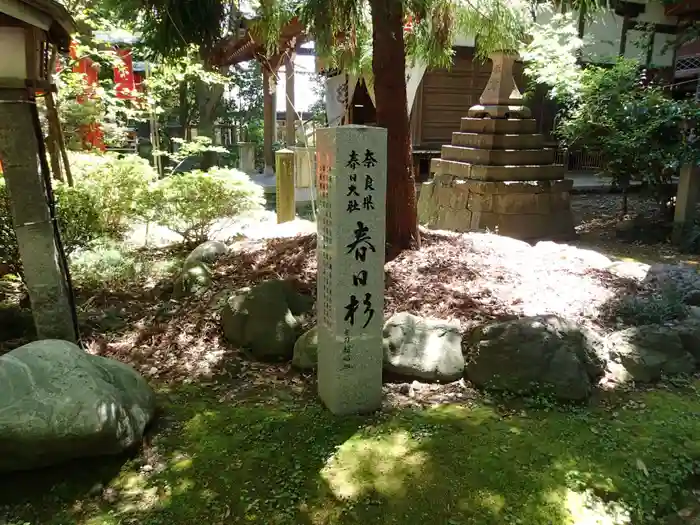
{"x":524,"y":210}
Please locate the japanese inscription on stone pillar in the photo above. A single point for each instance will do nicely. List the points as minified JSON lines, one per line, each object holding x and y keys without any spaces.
{"x":351,"y":184}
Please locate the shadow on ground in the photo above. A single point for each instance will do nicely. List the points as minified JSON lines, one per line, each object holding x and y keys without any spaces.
{"x":285,"y":460}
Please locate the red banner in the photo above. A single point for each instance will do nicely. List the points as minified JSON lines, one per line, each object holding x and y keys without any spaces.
{"x":92,"y":133}
{"x":124,"y":75}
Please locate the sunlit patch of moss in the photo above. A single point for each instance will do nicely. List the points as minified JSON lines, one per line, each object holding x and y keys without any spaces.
{"x":291,"y":461}
{"x":383,"y":464}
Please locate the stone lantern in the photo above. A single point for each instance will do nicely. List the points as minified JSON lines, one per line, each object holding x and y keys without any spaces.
{"x":30,"y":30}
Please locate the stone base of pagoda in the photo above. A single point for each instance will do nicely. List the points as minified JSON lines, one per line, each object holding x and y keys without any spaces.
{"x":525,"y":210}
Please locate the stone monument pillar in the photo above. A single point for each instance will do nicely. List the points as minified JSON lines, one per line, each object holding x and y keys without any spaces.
{"x":304,"y":159}
{"x":496,"y":175}
{"x":246,"y":157}
{"x":284,"y":173}
{"x":351,"y":187}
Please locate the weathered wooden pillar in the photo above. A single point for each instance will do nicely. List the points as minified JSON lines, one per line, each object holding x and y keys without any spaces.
{"x":686,"y":200}
{"x":284,"y":173}
{"x":269,"y":112}
{"x":290,"y":131}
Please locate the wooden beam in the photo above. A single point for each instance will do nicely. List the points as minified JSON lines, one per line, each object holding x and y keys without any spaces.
{"x":290,"y":124}
{"x":269,"y":101}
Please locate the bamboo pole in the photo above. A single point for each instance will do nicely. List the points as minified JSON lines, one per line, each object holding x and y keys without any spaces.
{"x":55,"y":123}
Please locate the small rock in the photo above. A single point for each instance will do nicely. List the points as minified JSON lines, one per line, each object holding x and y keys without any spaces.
{"x":96,"y":490}
{"x":542,"y":353}
{"x":207,"y":252}
{"x":646,"y":352}
{"x":266,"y":319}
{"x":425,"y":348}
{"x":195,"y":279}
{"x":692,"y":298}
{"x":629,"y":270}
{"x":110,"y":495}
{"x":306,"y":351}
{"x":404,"y":389}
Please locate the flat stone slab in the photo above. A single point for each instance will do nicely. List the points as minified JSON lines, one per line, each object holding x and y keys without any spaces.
{"x":497,"y":173}
{"x":497,"y":141}
{"x":500,"y":126}
{"x":498,"y":157}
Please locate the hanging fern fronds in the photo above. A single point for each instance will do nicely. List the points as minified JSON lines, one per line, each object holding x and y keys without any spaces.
{"x":433,"y":33}
{"x":273,"y":16}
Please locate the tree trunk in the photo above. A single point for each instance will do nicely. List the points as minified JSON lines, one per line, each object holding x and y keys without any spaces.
{"x":389,"y":68}
{"x":208,"y":98}
{"x":46,"y":283}
{"x":184,"y":109}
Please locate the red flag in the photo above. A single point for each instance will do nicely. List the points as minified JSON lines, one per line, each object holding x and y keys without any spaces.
{"x":124,"y":75}
{"x":92,"y":133}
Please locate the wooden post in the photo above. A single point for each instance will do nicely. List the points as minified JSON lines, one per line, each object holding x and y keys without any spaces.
{"x":269,"y":112}
{"x":686,"y":199}
{"x":291,"y":117}
{"x":52,"y":138}
{"x":284,"y":172}
{"x":57,"y":132}
{"x":52,"y":148}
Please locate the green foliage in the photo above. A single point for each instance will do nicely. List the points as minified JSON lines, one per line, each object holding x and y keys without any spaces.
{"x":190,"y":203}
{"x":170,"y":27}
{"x":110,"y":265}
{"x":193,"y":148}
{"x":117,"y":184}
{"x":659,"y":308}
{"x":9,"y":249}
{"x":106,"y":266}
{"x":78,"y":218}
{"x":551,"y":57}
{"x":498,"y":25}
{"x":639,"y":130}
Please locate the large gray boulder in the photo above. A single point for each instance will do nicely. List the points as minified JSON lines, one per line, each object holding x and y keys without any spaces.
{"x":646,"y":352}
{"x":266,"y":319}
{"x":536,"y":354}
{"x":421,"y":348}
{"x":306,"y":351}
{"x":59,"y":403}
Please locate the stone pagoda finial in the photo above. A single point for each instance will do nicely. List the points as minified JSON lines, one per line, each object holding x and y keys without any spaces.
{"x":501,"y":97}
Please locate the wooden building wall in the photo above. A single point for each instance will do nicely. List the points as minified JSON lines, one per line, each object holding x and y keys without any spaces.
{"x":444,"y":97}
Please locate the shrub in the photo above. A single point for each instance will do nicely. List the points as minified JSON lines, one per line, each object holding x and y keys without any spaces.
{"x":113,"y":265}
{"x":118,"y":184}
{"x":78,"y":218}
{"x":638,"y":129}
{"x":105,"y":266}
{"x":9,"y":251}
{"x":661,"y":307}
{"x":190,"y":203}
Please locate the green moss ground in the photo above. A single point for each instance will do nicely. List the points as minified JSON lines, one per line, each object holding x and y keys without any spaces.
{"x":285,"y":460}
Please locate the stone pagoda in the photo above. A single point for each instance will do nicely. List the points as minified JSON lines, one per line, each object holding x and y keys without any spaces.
{"x":496,"y":175}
